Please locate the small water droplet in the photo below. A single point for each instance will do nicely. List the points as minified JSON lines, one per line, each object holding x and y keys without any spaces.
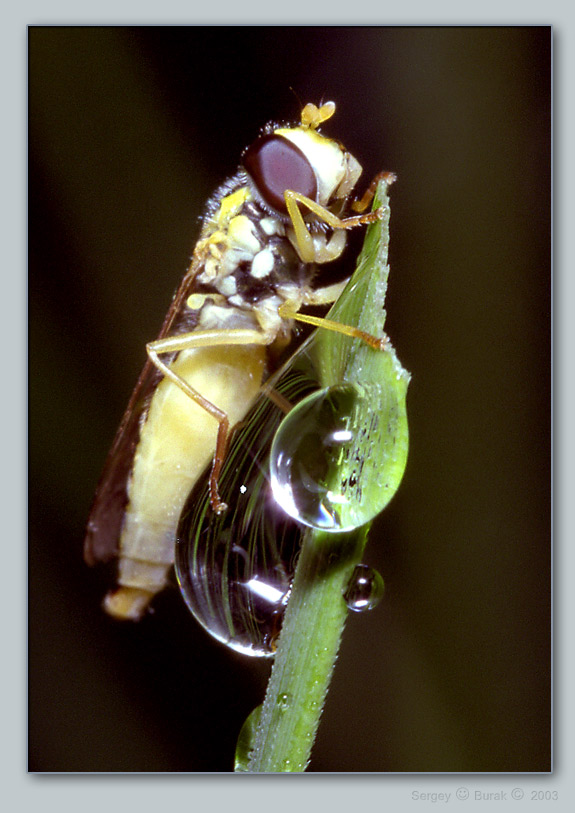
{"x":283,"y":701}
{"x":315,"y":440}
{"x":364,"y":590}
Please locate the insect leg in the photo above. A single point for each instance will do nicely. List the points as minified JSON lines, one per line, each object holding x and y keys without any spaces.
{"x":288,"y":312}
{"x":277,"y":398}
{"x":190,"y":341}
{"x":362,"y":204}
{"x":325,"y":295}
{"x":303,"y":235}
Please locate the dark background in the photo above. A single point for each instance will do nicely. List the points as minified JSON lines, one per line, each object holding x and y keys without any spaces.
{"x":130,"y":131}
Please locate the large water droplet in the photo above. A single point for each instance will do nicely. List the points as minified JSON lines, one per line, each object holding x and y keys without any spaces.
{"x":316,"y":471}
{"x":364,"y":590}
{"x":235,"y":569}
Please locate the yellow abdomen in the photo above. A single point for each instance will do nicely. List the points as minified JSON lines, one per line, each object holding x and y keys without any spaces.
{"x":177,"y":443}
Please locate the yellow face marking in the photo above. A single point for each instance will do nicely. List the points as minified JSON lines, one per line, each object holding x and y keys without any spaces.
{"x":325,"y":156}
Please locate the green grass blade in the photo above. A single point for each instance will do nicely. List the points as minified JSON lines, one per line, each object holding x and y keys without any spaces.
{"x":316,"y":612}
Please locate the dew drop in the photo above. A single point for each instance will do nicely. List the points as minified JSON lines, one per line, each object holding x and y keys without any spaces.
{"x":316,"y":472}
{"x":364,"y":590}
{"x":235,"y":569}
{"x":283,"y":701}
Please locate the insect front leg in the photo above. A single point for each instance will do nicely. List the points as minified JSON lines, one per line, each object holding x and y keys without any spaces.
{"x":305,"y":243}
{"x":193,"y":341}
{"x":369,"y":194}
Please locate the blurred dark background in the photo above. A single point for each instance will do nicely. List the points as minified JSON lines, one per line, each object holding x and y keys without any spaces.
{"x":130,"y":130}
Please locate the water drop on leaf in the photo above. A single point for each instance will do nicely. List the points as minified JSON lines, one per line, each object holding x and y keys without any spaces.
{"x":316,"y":465}
{"x":364,"y":590}
{"x":235,"y":569}
{"x":283,"y":701}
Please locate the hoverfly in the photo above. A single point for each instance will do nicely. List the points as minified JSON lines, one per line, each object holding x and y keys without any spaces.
{"x":265,"y":231}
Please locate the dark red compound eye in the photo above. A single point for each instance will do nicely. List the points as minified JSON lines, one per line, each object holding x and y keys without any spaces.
{"x":275,"y":164}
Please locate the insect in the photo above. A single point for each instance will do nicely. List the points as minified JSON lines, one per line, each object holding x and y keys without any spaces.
{"x":265,"y":232}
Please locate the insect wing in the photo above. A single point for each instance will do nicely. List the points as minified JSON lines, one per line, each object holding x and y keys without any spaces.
{"x":108,"y":508}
